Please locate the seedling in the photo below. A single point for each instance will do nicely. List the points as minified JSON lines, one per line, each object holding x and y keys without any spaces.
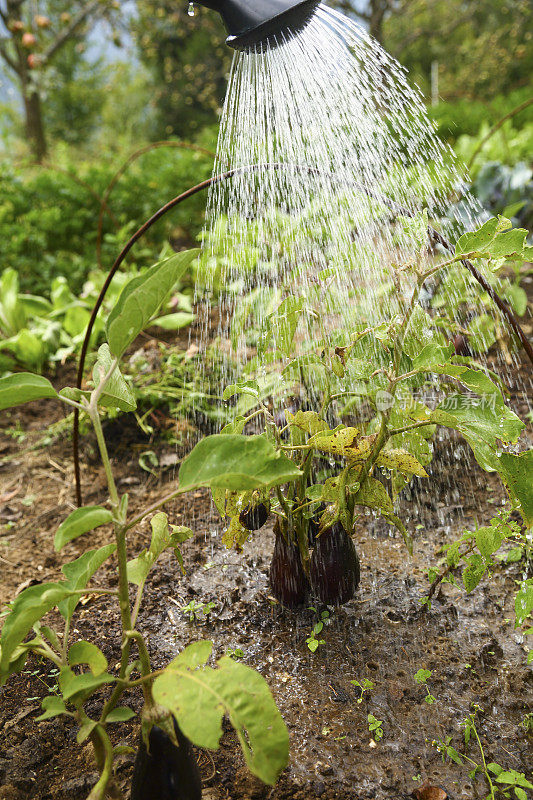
{"x":196,"y":611}
{"x":375,"y":727}
{"x":501,"y":782}
{"x":312,"y":642}
{"x":365,"y":686}
{"x":421,"y":677}
{"x":237,"y":653}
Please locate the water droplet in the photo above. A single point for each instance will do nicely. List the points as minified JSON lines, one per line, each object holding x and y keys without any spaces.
{"x":190,"y":10}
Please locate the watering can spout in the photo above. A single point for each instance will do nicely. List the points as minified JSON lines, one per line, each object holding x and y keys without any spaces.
{"x":252,"y":23}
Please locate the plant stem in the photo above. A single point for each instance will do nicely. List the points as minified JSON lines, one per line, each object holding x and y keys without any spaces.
{"x":98,"y":791}
{"x":154,"y":507}
{"x":396,"y":431}
{"x":97,"y":425}
{"x":485,"y":770}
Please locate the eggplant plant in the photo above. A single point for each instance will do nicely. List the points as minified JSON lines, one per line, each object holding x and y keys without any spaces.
{"x":184,"y":702}
{"x":373,"y":398}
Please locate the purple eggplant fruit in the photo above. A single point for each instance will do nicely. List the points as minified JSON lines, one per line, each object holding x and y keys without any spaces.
{"x":166,"y":772}
{"x":288,"y":580}
{"x":335,"y":570}
{"x":254,"y":518}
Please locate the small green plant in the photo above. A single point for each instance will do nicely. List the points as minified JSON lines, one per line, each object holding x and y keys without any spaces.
{"x":375,"y":727}
{"x":237,"y":653}
{"x":527,"y":722}
{"x":197,"y":611}
{"x":500,"y":782}
{"x":365,"y":686}
{"x":312,"y":642}
{"x":187,"y":698}
{"x":421,"y":677}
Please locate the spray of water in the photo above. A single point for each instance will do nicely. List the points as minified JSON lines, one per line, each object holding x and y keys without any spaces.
{"x":329,"y":142}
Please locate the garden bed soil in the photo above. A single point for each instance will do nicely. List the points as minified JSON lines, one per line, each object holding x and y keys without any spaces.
{"x":469,"y":642}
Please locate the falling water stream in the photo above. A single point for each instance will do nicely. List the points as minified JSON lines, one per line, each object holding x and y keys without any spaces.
{"x":332,"y":148}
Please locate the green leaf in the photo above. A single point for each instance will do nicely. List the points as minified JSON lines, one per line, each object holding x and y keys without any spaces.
{"x":141,"y":298}
{"x":284,"y":321}
{"x":81,"y":521}
{"x":120,"y":714}
{"x":514,"y":778}
{"x":517,"y":298}
{"x":516,"y":471}
{"x":180,"y":533}
{"x":85,"y":730}
{"x":23,"y":387}
{"x":241,"y":387}
{"x":198,"y":698}
{"x":173,"y":322}
{"x":373,"y":495}
{"x":475,"y":380}
{"x":431,"y":355}
{"x":422,"y":675}
{"x":78,"y":574}
{"x":30,"y":605}
{"x":523,"y":604}
{"x":52,"y":707}
{"x":482,"y":422}
{"x":194,"y":655}
{"x":403,"y":461}
{"x":488,"y":540}
{"x":139,"y":567}
{"x":482,"y":333}
{"x":87,"y":653}
{"x":235,"y":462}
{"x":117,"y":393}
{"x":308,"y":421}
{"x":78,"y":687}
{"x":473,"y":572}
{"x":477,"y":240}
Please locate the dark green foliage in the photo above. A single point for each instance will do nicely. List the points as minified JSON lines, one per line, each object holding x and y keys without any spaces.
{"x":48,"y":221}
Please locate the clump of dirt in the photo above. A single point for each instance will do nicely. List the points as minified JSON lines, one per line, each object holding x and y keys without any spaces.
{"x":468,"y":642}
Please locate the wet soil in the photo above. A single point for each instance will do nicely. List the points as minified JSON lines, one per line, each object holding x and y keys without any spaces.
{"x":468,"y":641}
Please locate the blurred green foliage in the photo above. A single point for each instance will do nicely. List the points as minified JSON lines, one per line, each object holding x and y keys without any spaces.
{"x":48,"y":220}
{"x":483,"y":49}
{"x":188,"y":61}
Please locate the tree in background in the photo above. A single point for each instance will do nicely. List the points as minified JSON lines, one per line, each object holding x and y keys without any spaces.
{"x":483,"y":47}
{"x":371,"y":13}
{"x":188,"y":61}
{"x":32,"y":43}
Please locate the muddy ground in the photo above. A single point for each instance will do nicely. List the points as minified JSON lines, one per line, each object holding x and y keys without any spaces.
{"x":468,"y":642}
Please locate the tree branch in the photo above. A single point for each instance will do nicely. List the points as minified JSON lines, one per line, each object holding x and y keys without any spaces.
{"x":66,"y":34}
{"x":9,"y":61}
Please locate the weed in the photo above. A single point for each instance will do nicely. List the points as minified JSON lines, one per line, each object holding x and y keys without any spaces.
{"x":421,"y":677}
{"x":365,"y":686}
{"x":375,"y":727}
{"x":312,"y":642}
